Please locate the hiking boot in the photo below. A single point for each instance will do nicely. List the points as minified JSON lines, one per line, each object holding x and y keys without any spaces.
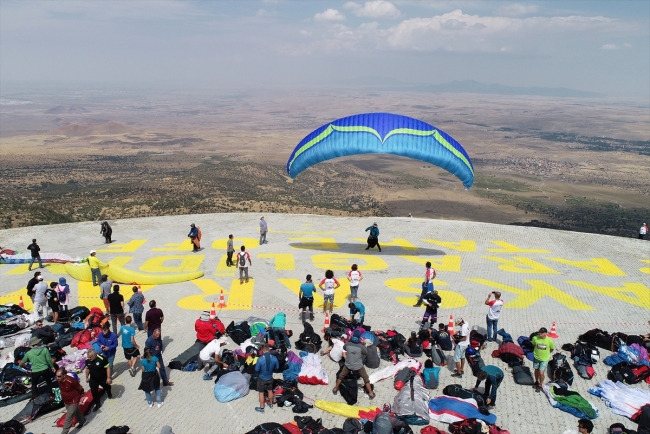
{"x":169,"y":383}
{"x":260,"y":409}
{"x":206,"y":377}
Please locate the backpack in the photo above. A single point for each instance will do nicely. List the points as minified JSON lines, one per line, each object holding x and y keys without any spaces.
{"x":474,"y":360}
{"x":457,"y":391}
{"x":309,"y":425}
{"x":96,"y":319}
{"x":438,"y":357}
{"x":352,"y":426}
{"x":382,"y":424}
{"x":239,"y":332}
{"x":118,"y":430}
{"x":12,"y":427}
{"x":467,"y":426}
{"x":61,"y":295}
{"x":622,"y":372}
{"x":349,"y":389}
{"x":191,"y":366}
{"x":402,"y":377}
{"x":560,"y":369}
{"x":522,"y":375}
{"x":641,"y":373}
{"x":242,"y":259}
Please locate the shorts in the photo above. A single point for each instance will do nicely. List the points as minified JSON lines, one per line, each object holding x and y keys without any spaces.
{"x":353,"y":291}
{"x":538,"y":364}
{"x":264,"y":385}
{"x":131,"y":353}
{"x":459,"y":353}
{"x":54,"y":307}
{"x":362,"y":373}
{"x":328,"y":298}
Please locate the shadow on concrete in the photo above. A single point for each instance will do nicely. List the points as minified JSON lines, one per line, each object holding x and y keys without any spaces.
{"x":360,"y":248}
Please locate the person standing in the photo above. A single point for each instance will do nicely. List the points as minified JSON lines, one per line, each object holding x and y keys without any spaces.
{"x":150,"y":379}
{"x":107,"y":340}
{"x":264,"y":228}
{"x":265,"y":366}
{"x":41,"y":365}
{"x":31,"y":284}
{"x":53,"y":301}
{"x":71,"y":393}
{"x":155,"y":343}
{"x":94,"y":263}
{"x":493,"y":376}
{"x":153,"y":319}
{"x":373,"y":238}
{"x":129,"y":345}
{"x":195,"y":237}
{"x":136,"y":307}
{"x":107,"y":232}
{"x":116,"y":306}
{"x":328,"y":285}
{"x":36,"y":254}
{"x":357,"y":307}
{"x":230,"y":250}
{"x":432,"y":301}
{"x":63,"y":294}
{"x":354,"y":276}
{"x":40,"y":300}
{"x":355,"y":355}
{"x":494,"y":311}
{"x":427,"y":284}
{"x":543,"y":346}
{"x":98,"y":373}
{"x":242,"y":257}
{"x":643,"y":231}
{"x":105,"y":289}
{"x":462,"y":342}
{"x":278,"y":326}
{"x":306,"y":297}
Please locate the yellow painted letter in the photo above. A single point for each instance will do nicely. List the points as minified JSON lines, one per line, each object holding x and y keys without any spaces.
{"x":511,"y":248}
{"x":522,"y":265}
{"x":186,"y":263}
{"x":636,"y":294}
{"x":343,"y":261}
{"x":597,"y":265}
{"x":461,"y":246}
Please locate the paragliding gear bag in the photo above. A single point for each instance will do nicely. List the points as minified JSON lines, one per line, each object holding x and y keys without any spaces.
{"x":242,"y":260}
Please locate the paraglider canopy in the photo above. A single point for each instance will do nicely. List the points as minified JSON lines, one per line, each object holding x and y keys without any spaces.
{"x":382,"y":133}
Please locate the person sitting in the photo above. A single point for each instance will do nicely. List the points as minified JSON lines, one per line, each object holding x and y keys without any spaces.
{"x":44,"y":333}
{"x":335,"y":349}
{"x":413,"y":346}
{"x":442,"y":337}
{"x":207,"y":329}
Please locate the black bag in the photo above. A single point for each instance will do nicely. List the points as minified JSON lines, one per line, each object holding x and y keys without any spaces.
{"x":352,"y":426}
{"x":308,"y":424}
{"x":340,"y":321}
{"x":457,"y":391}
{"x":118,"y":430}
{"x":76,"y":314}
{"x":349,"y":389}
{"x":308,"y":340}
{"x":560,"y":369}
{"x":269,"y":428}
{"x":622,"y":372}
{"x":467,"y":426}
{"x":602,"y":339}
{"x":372,"y":241}
{"x":522,"y":375}
{"x":187,"y":356}
{"x":475,"y":360}
{"x":12,"y":427}
{"x":65,"y":339}
{"x":239,"y":332}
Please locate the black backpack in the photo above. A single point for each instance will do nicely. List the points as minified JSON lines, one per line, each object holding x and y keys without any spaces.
{"x":269,"y":428}
{"x":242,"y":259}
{"x":560,"y":369}
{"x":12,"y":427}
{"x":238,"y":332}
{"x":123,"y":429}
{"x":622,"y":372}
{"x":352,"y":426}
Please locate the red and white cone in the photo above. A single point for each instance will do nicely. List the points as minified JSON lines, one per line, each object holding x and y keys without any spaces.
{"x":553,"y":333}
{"x":450,"y":327}
{"x":326,"y":324}
{"x":213,"y":312}
{"x":20,"y":303}
{"x":222,"y":300}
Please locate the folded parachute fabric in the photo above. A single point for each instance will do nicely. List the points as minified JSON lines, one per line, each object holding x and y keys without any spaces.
{"x":625,"y":354}
{"x":572,"y":402}
{"x":312,"y":371}
{"x":231,"y":386}
{"x":449,"y":409}
{"x":294,"y":365}
{"x":390,"y":371}
{"x":621,"y":398}
{"x":48,"y":258}
{"x":342,"y":409}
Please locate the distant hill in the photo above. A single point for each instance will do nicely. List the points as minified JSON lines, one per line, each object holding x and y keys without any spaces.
{"x":79,"y":130}
{"x":62,"y":110}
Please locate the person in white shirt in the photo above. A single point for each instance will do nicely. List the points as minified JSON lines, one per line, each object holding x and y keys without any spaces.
{"x":643,"y":231}
{"x":354,"y":276}
{"x":462,"y":343}
{"x":209,"y":356}
{"x":494,"y":311}
{"x":328,"y":285}
{"x":335,"y":350}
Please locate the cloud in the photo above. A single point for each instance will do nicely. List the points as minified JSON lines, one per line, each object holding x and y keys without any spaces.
{"x":615,"y":47}
{"x":329,"y":15}
{"x":305,"y":33}
{"x":379,"y":9}
{"x":516,"y":9}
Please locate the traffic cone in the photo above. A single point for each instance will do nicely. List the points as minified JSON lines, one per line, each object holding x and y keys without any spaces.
{"x":450,"y":327}
{"x":222,"y":301}
{"x":21,"y":304}
{"x":213,"y":312}
{"x":553,"y":334}
{"x":144,"y":300}
{"x":326,"y":324}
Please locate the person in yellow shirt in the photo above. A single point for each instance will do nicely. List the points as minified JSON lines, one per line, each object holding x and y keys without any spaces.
{"x":94,"y":264}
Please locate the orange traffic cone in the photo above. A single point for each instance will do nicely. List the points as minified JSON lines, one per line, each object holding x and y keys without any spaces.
{"x":450,"y":327}
{"x":213,"y":312}
{"x":21,"y":304}
{"x":326,"y":324}
{"x":222,"y":301}
{"x":553,"y":334}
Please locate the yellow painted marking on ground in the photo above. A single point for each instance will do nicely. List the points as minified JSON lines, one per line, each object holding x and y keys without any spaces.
{"x":249,"y":243}
{"x":283,"y":261}
{"x":14,"y":297}
{"x":511,"y":248}
{"x":645,"y":270}
{"x":240,"y":297}
{"x":343,"y":261}
{"x":597,"y":265}
{"x":461,"y":246}
{"x":305,"y":232}
{"x":413,"y":285}
{"x":129,"y":247}
{"x":396,"y":242}
{"x":183,"y":263}
{"x":439,"y":263}
{"x":340,"y":295}
{"x":184,"y":246}
{"x":314,"y":243}
{"x":119,"y":261}
{"x":539,"y":289}
{"x":636,"y":294}
{"x":521,"y":264}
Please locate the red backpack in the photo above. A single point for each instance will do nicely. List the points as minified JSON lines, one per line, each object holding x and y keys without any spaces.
{"x":467,"y":426}
{"x":496,"y":430}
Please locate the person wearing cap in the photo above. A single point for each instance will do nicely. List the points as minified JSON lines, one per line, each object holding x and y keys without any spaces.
{"x":105,"y":288}
{"x":36,"y":255}
{"x":373,"y":238}
{"x":462,"y":342}
{"x":94,"y":263}
{"x":543,"y":346}
{"x":116,"y":306}
{"x":643,"y":231}
{"x":41,"y":365}
{"x":40,"y":299}
{"x":264,"y":228}
{"x":71,"y":393}
{"x":195,"y":237}
{"x":136,"y":307}
{"x":354,"y":353}
{"x":207,"y":328}
{"x":210,"y":358}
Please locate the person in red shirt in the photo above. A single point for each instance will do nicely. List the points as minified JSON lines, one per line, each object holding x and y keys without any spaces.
{"x":208,"y":329}
{"x":71,"y":392}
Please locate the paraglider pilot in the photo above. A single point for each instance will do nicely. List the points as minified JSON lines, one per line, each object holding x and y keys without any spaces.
{"x":373,"y":238}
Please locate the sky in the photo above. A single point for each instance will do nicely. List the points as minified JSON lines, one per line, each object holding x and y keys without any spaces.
{"x":597,"y":46}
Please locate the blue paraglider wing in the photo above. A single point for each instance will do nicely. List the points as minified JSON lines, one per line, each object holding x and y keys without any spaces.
{"x":382,"y":133}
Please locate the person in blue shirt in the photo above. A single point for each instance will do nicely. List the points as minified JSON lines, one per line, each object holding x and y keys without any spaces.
{"x":265,"y":365}
{"x":278,"y":324}
{"x":150,"y":380}
{"x":306,"y":297}
{"x":493,"y":376}
{"x":130,"y":346}
{"x":107,"y":340}
{"x":356,"y":307}
{"x":373,"y":238}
